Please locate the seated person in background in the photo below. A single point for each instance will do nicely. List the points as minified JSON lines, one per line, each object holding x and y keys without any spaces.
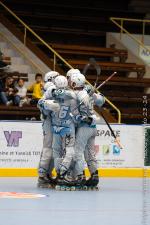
{"x":8,"y":92}
{"x":36,"y":89}
{"x":3,"y":63}
{"x":20,"y":96}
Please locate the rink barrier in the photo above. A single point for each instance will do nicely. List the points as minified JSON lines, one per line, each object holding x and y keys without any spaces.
{"x":103,"y":172}
{"x":21,"y":144}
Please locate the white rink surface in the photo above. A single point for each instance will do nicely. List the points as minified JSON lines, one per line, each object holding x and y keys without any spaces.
{"x":120,"y":201}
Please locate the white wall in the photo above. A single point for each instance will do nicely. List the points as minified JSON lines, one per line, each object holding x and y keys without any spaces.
{"x":128,"y":43}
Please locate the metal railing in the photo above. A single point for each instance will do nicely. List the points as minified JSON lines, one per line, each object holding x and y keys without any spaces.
{"x":55,"y":54}
{"x":121,"y":24}
{"x":5,"y":37}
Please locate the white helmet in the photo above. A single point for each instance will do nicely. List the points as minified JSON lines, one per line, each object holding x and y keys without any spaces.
{"x":61,"y":82}
{"x":77,"y":80}
{"x":50,"y":76}
{"x":72,"y":72}
{"x":49,"y":93}
{"x":47,"y":85}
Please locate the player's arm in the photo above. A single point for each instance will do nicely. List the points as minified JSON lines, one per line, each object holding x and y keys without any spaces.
{"x":63,"y":94}
{"x":50,"y":105}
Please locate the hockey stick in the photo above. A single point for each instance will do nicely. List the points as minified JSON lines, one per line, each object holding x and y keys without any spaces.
{"x":112,"y":132}
{"x":92,"y":62}
{"x":98,"y":70}
{"x":95,"y":88}
{"x":105,"y":81}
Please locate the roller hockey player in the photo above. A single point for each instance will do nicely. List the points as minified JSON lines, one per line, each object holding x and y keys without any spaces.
{"x":63,"y":130}
{"x":46,"y":163}
{"x":85,"y":140}
{"x":77,"y":84}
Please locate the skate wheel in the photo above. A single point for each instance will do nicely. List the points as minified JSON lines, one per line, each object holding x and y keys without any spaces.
{"x":79,"y":188}
{"x":85,"y":188}
{"x":68,"y":188}
{"x":57,"y":188}
{"x":72,"y":189}
{"x":62,"y":188}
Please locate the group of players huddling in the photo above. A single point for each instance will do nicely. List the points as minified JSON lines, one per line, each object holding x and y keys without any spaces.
{"x":69,"y":131}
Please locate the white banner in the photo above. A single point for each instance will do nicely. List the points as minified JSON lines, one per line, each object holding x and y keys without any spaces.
{"x":145,"y":53}
{"x":21,"y":144}
{"x":132,"y":140}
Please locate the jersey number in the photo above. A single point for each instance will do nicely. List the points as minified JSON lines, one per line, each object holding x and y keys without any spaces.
{"x":63,"y":112}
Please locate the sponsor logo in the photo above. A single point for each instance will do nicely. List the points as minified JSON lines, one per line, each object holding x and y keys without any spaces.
{"x":13,"y":138}
{"x":116,"y":150}
{"x":105,"y":149}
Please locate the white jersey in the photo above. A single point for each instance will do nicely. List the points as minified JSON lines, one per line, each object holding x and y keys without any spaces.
{"x":88,"y":110}
{"x":68,"y":104}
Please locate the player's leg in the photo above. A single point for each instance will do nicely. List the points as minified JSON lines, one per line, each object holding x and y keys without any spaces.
{"x":64,"y":181}
{"x":90,"y":154}
{"x":68,"y":142}
{"x":90,"y":157}
{"x":82,"y":137}
{"x":57,"y":151}
{"x":46,"y":163}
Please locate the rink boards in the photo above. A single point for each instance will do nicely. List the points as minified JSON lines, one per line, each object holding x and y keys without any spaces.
{"x":21,"y":144}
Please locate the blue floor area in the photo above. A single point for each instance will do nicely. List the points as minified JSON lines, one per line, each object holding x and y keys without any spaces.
{"x":118,"y":202}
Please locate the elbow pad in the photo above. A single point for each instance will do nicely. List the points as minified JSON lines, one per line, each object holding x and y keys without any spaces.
{"x":99,"y":99}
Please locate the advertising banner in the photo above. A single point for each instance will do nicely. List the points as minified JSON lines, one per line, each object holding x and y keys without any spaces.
{"x":21,"y":144}
{"x":132,"y":141}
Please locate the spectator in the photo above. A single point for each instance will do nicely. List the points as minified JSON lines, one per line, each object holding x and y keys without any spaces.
{"x":8,"y":91}
{"x":36,"y":89}
{"x":20,"y":96}
{"x":3,"y":64}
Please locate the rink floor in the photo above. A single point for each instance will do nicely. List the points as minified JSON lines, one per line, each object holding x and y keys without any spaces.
{"x":118,"y":202}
